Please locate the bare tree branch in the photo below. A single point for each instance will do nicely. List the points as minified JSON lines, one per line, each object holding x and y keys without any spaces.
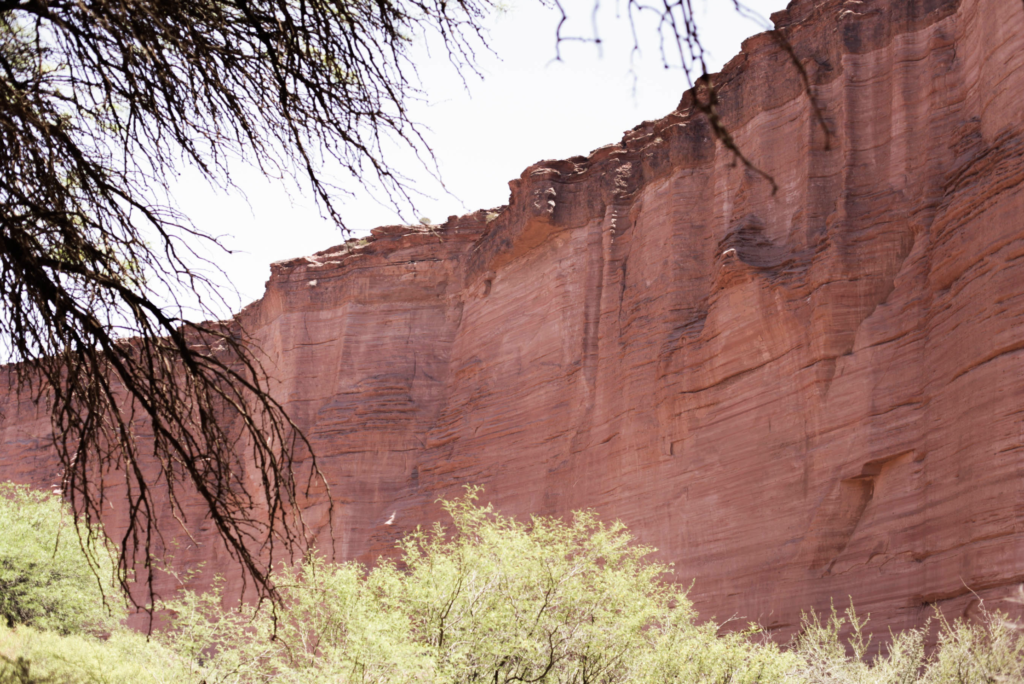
{"x":101,"y":103}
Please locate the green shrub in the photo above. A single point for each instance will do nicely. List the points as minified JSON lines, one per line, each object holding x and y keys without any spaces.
{"x":488,"y":600}
{"x":49,"y":578}
{"x":491,"y":600}
{"x":31,"y":656}
{"x":495,"y":600}
{"x":965,"y":653}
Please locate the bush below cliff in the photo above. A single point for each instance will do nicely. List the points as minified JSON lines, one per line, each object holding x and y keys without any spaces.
{"x":489,"y":599}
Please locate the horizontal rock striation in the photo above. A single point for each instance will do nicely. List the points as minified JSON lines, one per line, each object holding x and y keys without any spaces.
{"x":795,"y":396}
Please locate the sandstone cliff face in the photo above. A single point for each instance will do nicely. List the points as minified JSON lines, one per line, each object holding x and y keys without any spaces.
{"x":797,"y":396}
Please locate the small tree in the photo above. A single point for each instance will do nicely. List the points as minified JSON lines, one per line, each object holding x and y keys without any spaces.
{"x":490,"y":599}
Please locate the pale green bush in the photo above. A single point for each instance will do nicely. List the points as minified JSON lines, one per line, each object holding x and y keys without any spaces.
{"x":965,"y":653}
{"x":488,"y":600}
{"x":31,"y":656}
{"x":49,"y":577}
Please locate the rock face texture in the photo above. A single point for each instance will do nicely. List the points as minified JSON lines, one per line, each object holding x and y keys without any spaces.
{"x":798,"y":396}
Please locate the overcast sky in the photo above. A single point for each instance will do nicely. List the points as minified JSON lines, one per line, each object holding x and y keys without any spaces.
{"x":527,"y":108}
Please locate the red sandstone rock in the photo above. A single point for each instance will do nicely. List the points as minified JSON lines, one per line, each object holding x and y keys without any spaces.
{"x":796,"y":397}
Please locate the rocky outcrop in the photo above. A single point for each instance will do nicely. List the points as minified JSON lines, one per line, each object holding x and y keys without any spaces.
{"x":795,"y":396}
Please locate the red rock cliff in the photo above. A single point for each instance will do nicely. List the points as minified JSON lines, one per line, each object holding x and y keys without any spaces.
{"x":812,"y":394}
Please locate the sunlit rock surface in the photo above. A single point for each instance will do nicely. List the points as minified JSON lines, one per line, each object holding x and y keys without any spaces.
{"x":798,"y":396}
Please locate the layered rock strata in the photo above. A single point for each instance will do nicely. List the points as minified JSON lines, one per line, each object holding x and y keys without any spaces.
{"x":795,"y":396}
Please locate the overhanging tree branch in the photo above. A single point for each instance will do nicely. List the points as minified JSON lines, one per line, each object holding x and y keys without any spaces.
{"x":101,"y":103}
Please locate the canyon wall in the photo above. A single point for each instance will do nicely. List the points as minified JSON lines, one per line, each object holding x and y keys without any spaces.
{"x":796,"y":396}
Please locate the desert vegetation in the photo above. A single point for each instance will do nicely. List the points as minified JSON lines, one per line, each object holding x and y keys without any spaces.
{"x":483,"y":599}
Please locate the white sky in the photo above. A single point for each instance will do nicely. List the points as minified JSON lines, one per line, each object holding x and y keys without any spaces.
{"x":527,"y":108}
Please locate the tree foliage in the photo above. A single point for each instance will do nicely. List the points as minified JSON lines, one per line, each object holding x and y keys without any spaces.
{"x":486,"y":600}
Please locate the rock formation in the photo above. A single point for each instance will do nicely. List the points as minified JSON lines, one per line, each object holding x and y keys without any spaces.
{"x":796,"y":396}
